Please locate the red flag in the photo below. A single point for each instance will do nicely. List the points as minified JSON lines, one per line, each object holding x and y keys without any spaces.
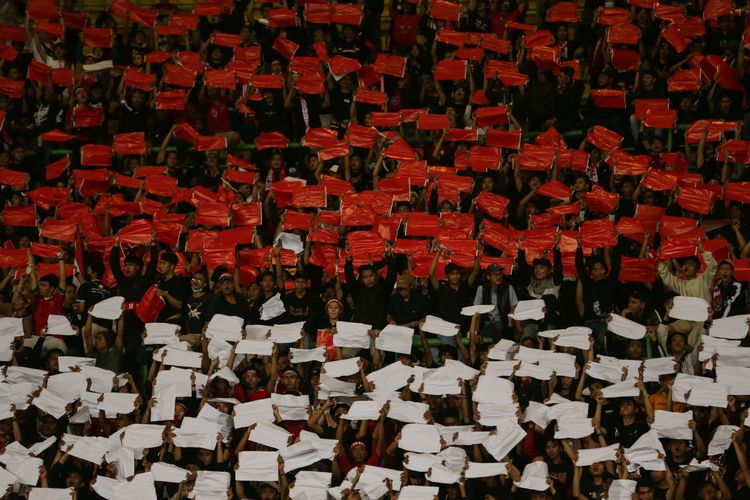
{"x":247,"y":214}
{"x":393,"y":65}
{"x":379,"y":119}
{"x":483,"y":158}
{"x":624,"y":33}
{"x":598,"y":233}
{"x":361,"y":136}
{"x":347,"y":14}
{"x":285,"y":47}
{"x":271,"y":140}
{"x":563,"y":12}
{"x":463,"y":135}
{"x":23,"y":216}
{"x":447,"y":11}
{"x":636,"y":270}
{"x":659,"y":180}
{"x":220,"y":79}
{"x":97,"y":37}
{"x":624,"y":60}
{"x":541,"y":38}
{"x":13,"y":258}
{"x":603,"y":138}
{"x":281,"y":18}
{"x":370,"y":97}
{"x":320,"y":138}
{"x":58,"y":230}
{"x":609,"y":98}
{"x":535,"y":157}
{"x":340,"y":66}
{"x":317,"y":13}
{"x":179,"y":76}
{"x":93,"y":155}
{"x":660,"y":118}
{"x":492,"y":115}
{"x":714,"y":9}
{"x":132,"y":143}
{"x":493,"y":205}
{"x":676,"y":39}
{"x":171,"y":100}
{"x":56,"y":168}
{"x":138,"y":80}
{"x":508,"y":139}
{"x":210,"y":143}
{"x":555,"y":189}
{"x":12,"y":88}
{"x":695,"y":199}
{"x":225,"y":40}
{"x":212,"y":214}
{"x":267,"y":82}
{"x":600,"y":200}
{"x":432,"y":122}
{"x":450,"y":70}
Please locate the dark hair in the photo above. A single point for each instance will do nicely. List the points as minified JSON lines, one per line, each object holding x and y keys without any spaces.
{"x":366,"y":267}
{"x":97,"y":267}
{"x":265,"y":274}
{"x":448,"y":349}
{"x":52,"y":280}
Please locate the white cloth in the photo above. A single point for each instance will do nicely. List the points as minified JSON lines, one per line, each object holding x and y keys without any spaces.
{"x":574,"y":428}
{"x":500,"y":368}
{"x":736,"y":378}
{"x":440,"y":474}
{"x":478,"y":309}
{"x":528,"y":309}
{"x":342,"y":367}
{"x":161,"y":333}
{"x":69,"y":385}
{"x":655,"y":367}
{"x":421,"y":438}
{"x":179,"y":357}
{"x":733,"y":327}
{"x":673,"y":425}
{"x":169,"y":473}
{"x":59,"y":325}
{"x":439,"y":326}
{"x":508,"y":435}
{"x":91,"y":448}
{"x":270,"y":435}
{"x":51,"y":494}
{"x":287,"y":334}
{"x":568,"y":409}
{"x":391,"y":378}
{"x":621,"y":390}
{"x":590,"y":456}
{"x":118,"y":402}
{"x":256,"y":347}
{"x":179,"y":378}
{"x":6,"y":479}
{"x":626,"y":328}
{"x":645,"y":453}
{"x":291,"y":407}
{"x":394,"y":338}
{"x":696,"y":466}
{"x":574,"y":336}
{"x":534,"y":476}
{"x":257,"y":465}
{"x":138,"y":436}
{"x":493,"y":390}
{"x":12,"y":327}
{"x":363,"y":410}
{"x":300,"y":455}
{"x":721,"y":440}
{"x":491,"y":414}
{"x":26,"y":470}
{"x":353,"y":335}
{"x":418,"y":492}
{"x":140,"y":487}
{"x":272,"y":308}
{"x":51,"y":403}
{"x":290,"y":241}
{"x":420,"y":462}
{"x":163,"y":408}
{"x":110,"y":308}
{"x":305,"y":355}
{"x":622,"y":489}
{"x":212,"y":482}
{"x":225,"y":327}
{"x":486,"y":469}
{"x":561,"y":363}
{"x":689,"y":308}
{"x":537,"y":413}
{"x":333,"y":387}
{"x":67,"y":363}
{"x":408,"y":411}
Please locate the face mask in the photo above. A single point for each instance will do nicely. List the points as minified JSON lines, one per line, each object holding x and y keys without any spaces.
{"x":196,"y":289}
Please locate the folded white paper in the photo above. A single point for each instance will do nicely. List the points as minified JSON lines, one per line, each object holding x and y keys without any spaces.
{"x":394,"y":338}
{"x":12,"y":327}
{"x":439,"y":326}
{"x":486,"y":469}
{"x":290,"y":241}
{"x":353,"y":335}
{"x":363,"y":410}
{"x":6,"y":479}
{"x":69,"y":385}
{"x":26,"y":470}
{"x":478,"y":309}
{"x":493,"y":390}
{"x":213,"y":482}
{"x":300,"y":455}
{"x":528,"y":309}
{"x":140,"y":487}
{"x":110,"y":308}
{"x":418,"y":492}
{"x":291,"y":407}
{"x":139,"y":436}
{"x":51,"y":494}
{"x":673,"y":425}
{"x":420,"y":462}
{"x":179,"y":357}
{"x":68,"y":363}
{"x":508,"y":435}
{"x":118,"y":402}
{"x":736,"y":378}
{"x":439,"y":474}
{"x":534,"y":476}
{"x":421,"y":438}
{"x":408,"y":411}
{"x":625,"y":328}
{"x":689,"y":308}
{"x":570,"y":428}
{"x":225,"y":327}
{"x":733,"y":327}
{"x":163,"y":409}
{"x":298,"y":356}
{"x":287,"y":334}
{"x":51,"y":403}
{"x":537,"y":413}
{"x":161,"y":333}
{"x":256,"y":347}
{"x":59,"y":325}
{"x":491,"y":414}
{"x":625,"y":389}
{"x":178,"y":377}
{"x":656,"y":367}
{"x":696,"y":466}
{"x":272,"y":308}
{"x":270,"y":435}
{"x":622,"y":489}
{"x":169,"y":473}
{"x":721,"y":440}
{"x":342,"y":367}
{"x":332,"y":387}
{"x":391,"y":378}
{"x":257,"y":465}
{"x":590,"y":456}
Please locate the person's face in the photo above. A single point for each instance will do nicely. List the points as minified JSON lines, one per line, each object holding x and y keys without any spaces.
{"x":636,"y":305}
{"x":708,"y":492}
{"x":289,"y":380}
{"x":454,"y":277}
{"x":70,"y":294}
{"x":404,"y":291}
{"x":165,"y":267}
{"x":598,"y":271}
{"x":604,"y":80}
{"x":100,"y":342}
{"x":488,"y":184}
{"x":53,"y":361}
{"x":59,"y":52}
{"x":627,"y":408}
{"x":596,"y":469}
{"x":205,"y":456}
{"x":73,"y":480}
{"x":268,"y":493}
{"x":130,"y":269}
{"x":45,"y":290}
{"x":359,"y":454}
{"x":459,"y":95}
{"x":300,"y":285}
{"x":276,"y":161}
{"x":725,"y":272}
{"x":561,"y":34}
{"x":580,"y":184}
{"x":333,"y":310}
{"x":496,"y":278}
{"x":251,"y":378}
{"x":689,"y":268}
{"x":368,"y":278}
{"x":541,"y":272}
{"x":267,"y":283}
{"x":645,"y":493}
{"x":276,"y":67}
{"x":678,"y":448}
{"x":254,"y":291}
{"x":725,"y":104}
{"x":635,"y":349}
{"x":552,"y":449}
{"x":227,"y":287}
{"x":677,"y":344}
{"x":197,"y":282}
{"x":648,"y":81}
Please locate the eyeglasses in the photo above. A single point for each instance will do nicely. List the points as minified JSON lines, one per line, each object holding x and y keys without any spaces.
{"x":196,"y":278}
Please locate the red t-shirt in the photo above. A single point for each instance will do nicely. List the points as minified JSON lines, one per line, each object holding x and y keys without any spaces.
{"x":243,"y":395}
{"x":405,"y":29}
{"x":44,"y":307}
{"x":217,"y":115}
{"x":345,"y":465}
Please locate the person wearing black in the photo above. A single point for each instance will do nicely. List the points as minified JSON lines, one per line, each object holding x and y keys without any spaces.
{"x":455,"y":293}
{"x":494,"y":291}
{"x":599,"y":290}
{"x":132,"y":284}
{"x":370,"y":293}
{"x":171,"y":290}
{"x":92,"y":291}
{"x":227,"y":301}
{"x":301,"y":304}
{"x":405,"y":307}
{"x":195,"y":306}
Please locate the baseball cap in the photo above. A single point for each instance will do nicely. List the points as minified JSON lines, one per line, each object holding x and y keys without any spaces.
{"x":542,"y":261}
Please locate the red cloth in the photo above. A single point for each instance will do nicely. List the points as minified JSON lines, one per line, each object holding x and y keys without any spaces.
{"x":43,"y":307}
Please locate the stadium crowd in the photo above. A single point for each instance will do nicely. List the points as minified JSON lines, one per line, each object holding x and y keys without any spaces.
{"x":413,"y":250}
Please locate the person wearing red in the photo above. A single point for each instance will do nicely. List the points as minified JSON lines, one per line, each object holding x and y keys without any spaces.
{"x":48,"y":297}
{"x":249,"y":388}
{"x":501,"y":15}
{"x":405,"y":28}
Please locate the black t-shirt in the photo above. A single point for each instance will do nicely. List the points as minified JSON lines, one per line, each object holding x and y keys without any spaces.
{"x":300,"y":308}
{"x":92,"y":292}
{"x":341,"y":104}
{"x":176,"y":287}
{"x":447,"y":302}
{"x":220,"y":305}
{"x":627,"y":435}
{"x":405,"y":312}
{"x":194,"y":312}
